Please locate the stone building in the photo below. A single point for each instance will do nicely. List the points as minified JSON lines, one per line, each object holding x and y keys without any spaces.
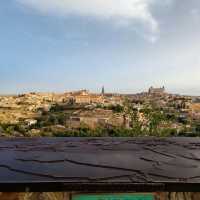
{"x":158,"y":91}
{"x":84,"y":97}
{"x":95,"y":118}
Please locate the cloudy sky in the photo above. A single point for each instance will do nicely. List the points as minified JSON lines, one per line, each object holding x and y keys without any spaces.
{"x":125,"y":45}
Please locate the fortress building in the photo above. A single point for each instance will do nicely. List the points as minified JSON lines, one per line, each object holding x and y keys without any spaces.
{"x":158,"y":91}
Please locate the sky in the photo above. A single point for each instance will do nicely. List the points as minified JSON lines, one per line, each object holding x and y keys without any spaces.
{"x":125,"y":45}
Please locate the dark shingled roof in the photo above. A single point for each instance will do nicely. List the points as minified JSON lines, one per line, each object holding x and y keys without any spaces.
{"x":100,"y":164}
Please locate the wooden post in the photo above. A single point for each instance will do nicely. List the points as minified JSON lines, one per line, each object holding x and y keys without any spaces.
{"x":11,"y":196}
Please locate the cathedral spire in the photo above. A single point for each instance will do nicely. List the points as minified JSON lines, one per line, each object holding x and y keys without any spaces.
{"x":103,"y":90}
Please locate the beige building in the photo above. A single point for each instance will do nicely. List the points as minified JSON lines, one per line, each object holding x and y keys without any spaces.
{"x":84,"y":97}
{"x":195,"y":110}
{"x":95,"y":118}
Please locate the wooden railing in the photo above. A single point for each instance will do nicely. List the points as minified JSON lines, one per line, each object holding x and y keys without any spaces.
{"x":100,"y":165}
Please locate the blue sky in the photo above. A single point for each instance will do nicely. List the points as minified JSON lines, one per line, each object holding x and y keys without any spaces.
{"x":125,"y":45}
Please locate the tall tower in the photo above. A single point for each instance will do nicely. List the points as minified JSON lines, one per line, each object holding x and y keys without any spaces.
{"x":103,"y":90}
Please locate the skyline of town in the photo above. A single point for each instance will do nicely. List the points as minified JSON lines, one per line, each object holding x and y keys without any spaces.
{"x":99,"y":91}
{"x":78,"y":113}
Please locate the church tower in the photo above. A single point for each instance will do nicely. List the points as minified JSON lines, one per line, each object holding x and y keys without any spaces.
{"x":103,"y":91}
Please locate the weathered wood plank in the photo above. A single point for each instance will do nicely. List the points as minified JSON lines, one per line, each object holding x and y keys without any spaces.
{"x":104,"y":164}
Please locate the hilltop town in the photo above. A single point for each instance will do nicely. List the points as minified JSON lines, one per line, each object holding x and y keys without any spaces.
{"x":82,"y":113}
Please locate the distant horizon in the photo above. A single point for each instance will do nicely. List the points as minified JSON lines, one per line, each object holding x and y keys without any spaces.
{"x":98,"y":91}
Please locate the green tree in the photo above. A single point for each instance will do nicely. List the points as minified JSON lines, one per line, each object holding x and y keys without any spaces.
{"x":132,"y":112}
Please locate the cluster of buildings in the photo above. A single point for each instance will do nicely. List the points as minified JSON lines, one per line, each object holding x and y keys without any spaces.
{"x":92,"y":109}
{"x":185,"y":109}
{"x":14,"y":109}
{"x":85,"y":97}
{"x":97,"y":118}
{"x":26,"y":107}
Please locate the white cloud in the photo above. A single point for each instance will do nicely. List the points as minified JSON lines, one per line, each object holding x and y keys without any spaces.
{"x":195,"y":14}
{"x":126,"y":11}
